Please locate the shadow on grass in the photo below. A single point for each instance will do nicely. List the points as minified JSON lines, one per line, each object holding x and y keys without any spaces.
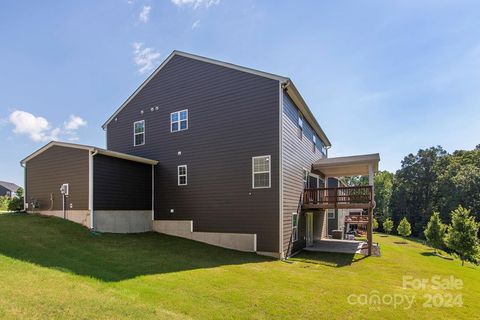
{"x":400,"y":242}
{"x":433,"y":254}
{"x":334,"y":260}
{"x":69,"y":247}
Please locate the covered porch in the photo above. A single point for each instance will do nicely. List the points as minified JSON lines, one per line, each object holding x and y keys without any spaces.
{"x":345,"y":197}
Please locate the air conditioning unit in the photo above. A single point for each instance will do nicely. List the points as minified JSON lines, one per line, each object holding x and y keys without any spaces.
{"x":64,"y":189}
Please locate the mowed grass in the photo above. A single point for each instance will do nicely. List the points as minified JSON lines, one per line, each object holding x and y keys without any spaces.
{"x":55,"y":269}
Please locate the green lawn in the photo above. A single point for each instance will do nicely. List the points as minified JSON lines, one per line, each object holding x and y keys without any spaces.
{"x":51,"y":268}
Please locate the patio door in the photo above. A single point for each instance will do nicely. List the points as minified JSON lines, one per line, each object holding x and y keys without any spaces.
{"x":309,"y":231}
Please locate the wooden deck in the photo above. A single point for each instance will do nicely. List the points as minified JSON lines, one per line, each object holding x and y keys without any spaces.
{"x":338,"y":198}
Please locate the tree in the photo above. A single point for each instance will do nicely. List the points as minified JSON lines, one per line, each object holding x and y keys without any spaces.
{"x":4,"y":202}
{"x":435,"y":232}
{"x":20,"y":192}
{"x":383,"y":182}
{"x":413,"y":188}
{"x":462,"y":235}
{"x":404,"y":229}
{"x":16,"y":203}
{"x":458,"y":182}
{"x":375,"y":224}
{"x":388,"y":226}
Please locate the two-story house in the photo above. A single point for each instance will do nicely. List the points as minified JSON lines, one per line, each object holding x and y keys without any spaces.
{"x":206,"y":150}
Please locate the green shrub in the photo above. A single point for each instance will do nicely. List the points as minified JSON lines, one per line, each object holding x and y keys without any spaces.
{"x":404,"y":229}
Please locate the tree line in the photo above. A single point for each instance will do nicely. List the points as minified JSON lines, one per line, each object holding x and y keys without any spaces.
{"x":432,"y":180}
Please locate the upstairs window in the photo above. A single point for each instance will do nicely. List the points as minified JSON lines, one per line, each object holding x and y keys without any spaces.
{"x":139,"y":133}
{"x":261,"y":168}
{"x":179,"y":121}
{"x":300,"y":125}
{"x":294,"y":226}
{"x":314,"y":142}
{"x":182,"y":175}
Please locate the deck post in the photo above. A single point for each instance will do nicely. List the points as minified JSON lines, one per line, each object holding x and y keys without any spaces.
{"x":370,"y":212}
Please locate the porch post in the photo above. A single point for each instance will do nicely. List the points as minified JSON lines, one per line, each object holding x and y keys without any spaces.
{"x":370,"y":212}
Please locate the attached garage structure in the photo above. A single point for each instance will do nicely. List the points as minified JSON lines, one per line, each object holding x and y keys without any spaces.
{"x":104,"y":190}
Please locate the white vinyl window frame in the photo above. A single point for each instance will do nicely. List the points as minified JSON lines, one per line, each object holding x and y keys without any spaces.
{"x":269,"y":171}
{"x":305,"y":175}
{"x":294,"y":226}
{"x":178,"y":121}
{"x":182,"y":175}
{"x":135,"y":133}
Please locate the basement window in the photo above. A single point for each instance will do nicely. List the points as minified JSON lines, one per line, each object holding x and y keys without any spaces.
{"x":179,"y":121}
{"x":294,"y":226}
{"x":331,"y":214}
{"x":182,"y":175}
{"x":139,"y":133}
{"x":261,"y":168}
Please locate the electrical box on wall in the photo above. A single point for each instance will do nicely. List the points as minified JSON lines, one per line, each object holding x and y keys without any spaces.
{"x":64,"y":189}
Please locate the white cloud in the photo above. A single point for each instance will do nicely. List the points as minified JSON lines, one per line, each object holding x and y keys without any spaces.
{"x":37,"y":128}
{"x":40,"y":130}
{"x":195,"y":3}
{"x":196,"y":24}
{"x":145,"y":14}
{"x":145,"y":58}
{"x":74,"y":122}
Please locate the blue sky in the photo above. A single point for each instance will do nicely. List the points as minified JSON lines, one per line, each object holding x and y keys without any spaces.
{"x":380,"y":76}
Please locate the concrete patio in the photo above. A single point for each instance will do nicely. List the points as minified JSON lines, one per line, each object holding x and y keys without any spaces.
{"x":341,"y":246}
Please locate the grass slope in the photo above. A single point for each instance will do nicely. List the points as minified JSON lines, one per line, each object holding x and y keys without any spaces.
{"x":51,"y":268}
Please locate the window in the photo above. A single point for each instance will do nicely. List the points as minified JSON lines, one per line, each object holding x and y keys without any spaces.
{"x":179,"y":121}
{"x":331,"y":214}
{"x":182,"y":175}
{"x":294,"y":226}
{"x":305,"y":177}
{"x":300,"y":125}
{"x":314,"y":142}
{"x":139,"y":133}
{"x":261,"y":172}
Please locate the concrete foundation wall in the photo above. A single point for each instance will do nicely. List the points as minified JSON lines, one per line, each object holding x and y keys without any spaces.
{"x":78,"y":216}
{"x":184,"y":229}
{"x":122,"y":221}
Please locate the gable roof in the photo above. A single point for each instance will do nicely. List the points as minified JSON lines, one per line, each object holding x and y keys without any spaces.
{"x":9,"y":185}
{"x":91,"y":149}
{"x":287,"y":84}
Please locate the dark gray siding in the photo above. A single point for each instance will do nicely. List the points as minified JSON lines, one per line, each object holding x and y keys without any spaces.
{"x":120,"y":184}
{"x":297,"y":154}
{"x":52,"y":168}
{"x":4,"y":191}
{"x":233,"y":116}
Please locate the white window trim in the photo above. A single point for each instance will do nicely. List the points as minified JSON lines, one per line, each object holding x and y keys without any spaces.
{"x":182,"y":175}
{"x":294,"y":239}
{"x":305,"y":178}
{"x":172,"y":122}
{"x":135,"y":134}
{"x":269,"y":172}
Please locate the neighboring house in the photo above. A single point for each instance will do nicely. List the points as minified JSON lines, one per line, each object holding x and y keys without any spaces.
{"x":8,"y":189}
{"x":235,"y":155}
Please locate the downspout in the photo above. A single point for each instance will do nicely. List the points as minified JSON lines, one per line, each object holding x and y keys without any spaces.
{"x":90,"y":186}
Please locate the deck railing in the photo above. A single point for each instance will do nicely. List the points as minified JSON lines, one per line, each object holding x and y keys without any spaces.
{"x":338,"y":197}
{"x":356,"y":219}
